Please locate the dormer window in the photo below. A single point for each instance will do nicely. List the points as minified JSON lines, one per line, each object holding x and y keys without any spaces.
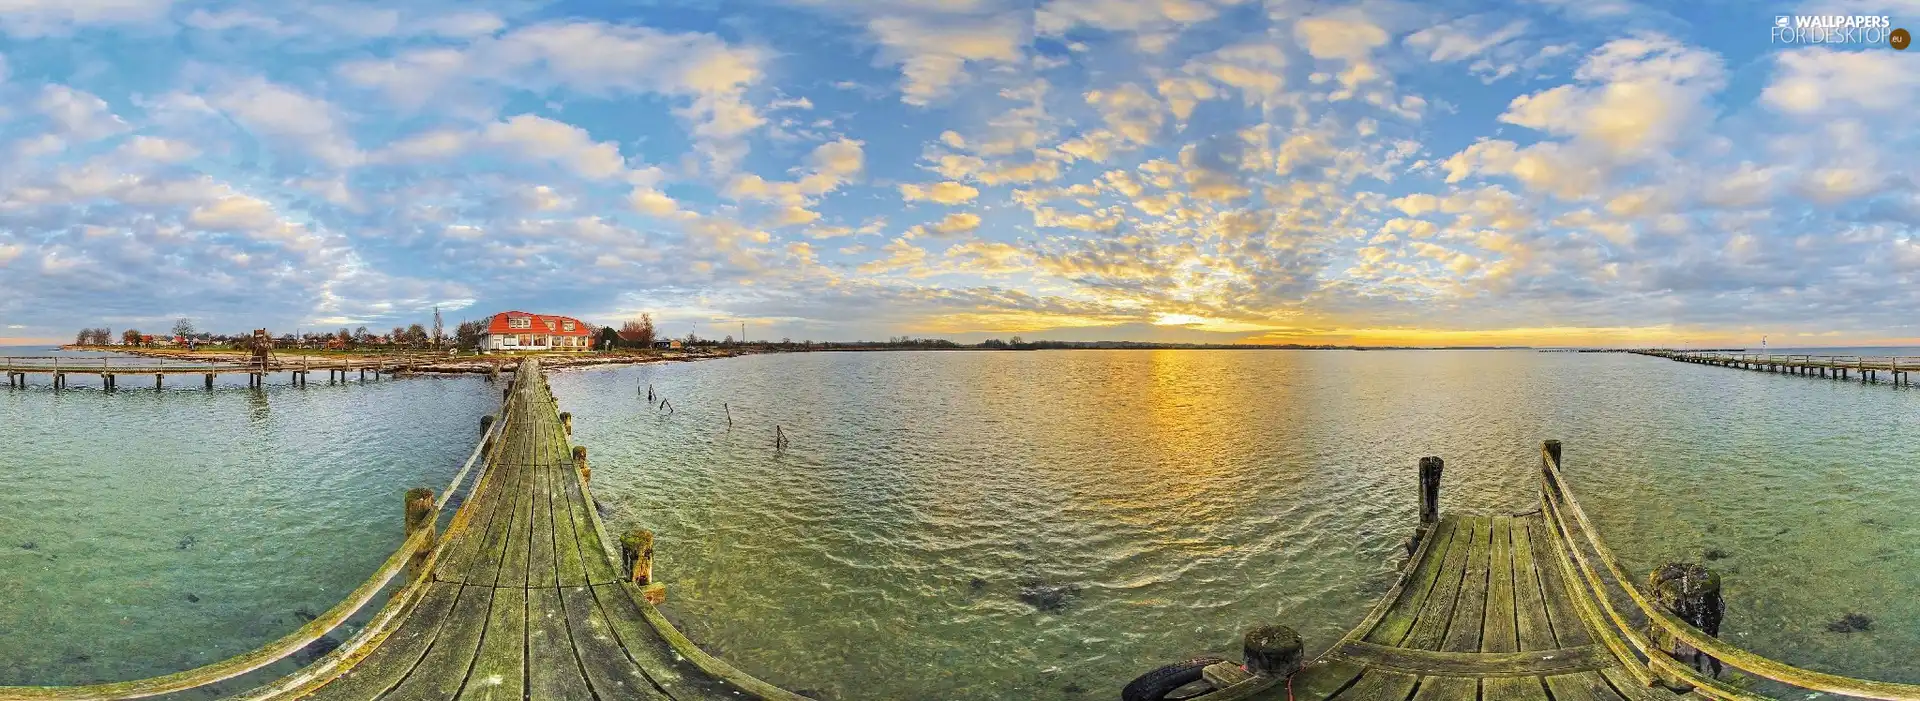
{"x":566,"y":325}
{"x":519,"y":322}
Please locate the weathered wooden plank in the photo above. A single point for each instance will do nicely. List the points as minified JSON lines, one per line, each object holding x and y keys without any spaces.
{"x":1568,"y":628}
{"x":1430,"y":627}
{"x":553,"y":670}
{"x":1499,"y":632}
{"x":540,"y":562}
{"x":1631,"y":689}
{"x":1474,"y":664}
{"x":1322,"y":679}
{"x":611,"y":674}
{"x":484,"y":567}
{"x":1530,"y":608}
{"x":679,"y":678}
{"x":1512,"y":689}
{"x":1585,"y":686}
{"x":443,"y":670}
{"x":568,"y":568}
{"x":1393,"y":627}
{"x":1470,"y":609}
{"x":500,"y":668}
{"x":398,"y":654}
{"x":1380,"y":685}
{"x":466,"y":557}
{"x":593,"y":551}
{"x":1448,"y":689}
{"x":513,"y":567}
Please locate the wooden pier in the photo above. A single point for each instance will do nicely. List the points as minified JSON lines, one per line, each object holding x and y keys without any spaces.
{"x":524,"y":596}
{"x":1516,"y":607}
{"x":1896,"y":370}
{"x":111,"y":371}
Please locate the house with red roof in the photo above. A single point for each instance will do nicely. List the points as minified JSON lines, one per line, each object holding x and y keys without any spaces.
{"x":520,"y":331}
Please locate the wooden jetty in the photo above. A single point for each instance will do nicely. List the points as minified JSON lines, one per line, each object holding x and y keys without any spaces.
{"x":524,"y":596}
{"x":112,"y":370}
{"x":1521,"y":607}
{"x":1896,"y":370}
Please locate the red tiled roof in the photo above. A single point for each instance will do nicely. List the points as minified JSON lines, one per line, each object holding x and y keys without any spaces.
{"x":541,"y":324}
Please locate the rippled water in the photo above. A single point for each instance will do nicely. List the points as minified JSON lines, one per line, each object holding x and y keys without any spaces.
{"x":1164,"y":501}
{"x":145,"y":532}
{"x":1187,"y":495}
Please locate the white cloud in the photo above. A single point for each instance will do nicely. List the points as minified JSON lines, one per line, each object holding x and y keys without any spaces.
{"x":159,"y":150}
{"x":942,"y":192}
{"x":77,"y":115}
{"x":1464,"y":38}
{"x":593,"y":58}
{"x":933,"y":53}
{"x":534,"y":138}
{"x":299,"y":121}
{"x":1819,"y":80}
{"x":35,"y":18}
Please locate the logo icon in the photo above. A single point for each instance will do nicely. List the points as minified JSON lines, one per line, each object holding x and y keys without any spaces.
{"x":1899,"y":39}
{"x":1782,"y":21}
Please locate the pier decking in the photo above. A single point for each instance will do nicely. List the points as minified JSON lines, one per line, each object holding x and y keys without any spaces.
{"x":1482,"y":613}
{"x":520,"y":598}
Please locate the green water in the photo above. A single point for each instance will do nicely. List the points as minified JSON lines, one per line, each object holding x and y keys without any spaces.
{"x":1184,"y":496}
{"x":1190,"y":494}
{"x":146,"y":532}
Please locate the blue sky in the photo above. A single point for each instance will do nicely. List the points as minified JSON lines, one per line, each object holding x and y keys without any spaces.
{"x":1546,"y":172}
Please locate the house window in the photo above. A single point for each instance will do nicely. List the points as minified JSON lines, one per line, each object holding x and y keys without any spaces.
{"x":566,"y":326}
{"x":519,"y":322}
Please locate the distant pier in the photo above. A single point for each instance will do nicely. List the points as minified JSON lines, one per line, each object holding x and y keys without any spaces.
{"x":1896,"y":370}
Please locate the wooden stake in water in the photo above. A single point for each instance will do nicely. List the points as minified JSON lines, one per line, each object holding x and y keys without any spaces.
{"x":729,"y":410}
{"x":779,"y":438}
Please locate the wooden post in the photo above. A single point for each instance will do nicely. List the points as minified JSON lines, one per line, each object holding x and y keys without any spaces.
{"x":209,"y":380}
{"x":636,"y":555}
{"x":486,"y":424}
{"x":506,"y":394}
{"x":566,"y":421}
{"x":1692,"y":593}
{"x":729,"y":410}
{"x":580,"y":464}
{"x":156,"y":380}
{"x":420,"y":516}
{"x":1430,"y":469}
{"x":1272,"y":651}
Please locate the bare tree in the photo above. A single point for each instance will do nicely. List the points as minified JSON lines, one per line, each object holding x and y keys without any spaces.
{"x":130,"y":337}
{"x":638,"y":333}
{"x":183,"y":328}
{"x":439,"y":329}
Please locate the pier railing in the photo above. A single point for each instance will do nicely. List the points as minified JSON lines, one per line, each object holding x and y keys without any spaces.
{"x":1649,"y":649}
{"x":415,"y":555}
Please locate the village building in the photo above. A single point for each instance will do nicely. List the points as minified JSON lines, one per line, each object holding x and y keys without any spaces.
{"x":520,"y":331}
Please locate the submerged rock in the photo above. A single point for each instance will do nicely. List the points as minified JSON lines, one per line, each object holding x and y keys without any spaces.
{"x":305,"y":615}
{"x":29,"y":545}
{"x":192,"y":599}
{"x":1048,"y":598}
{"x":1851,"y":623}
{"x":1716,"y":554}
{"x":1074,"y":689}
{"x":977,"y":584}
{"x":186,"y":542}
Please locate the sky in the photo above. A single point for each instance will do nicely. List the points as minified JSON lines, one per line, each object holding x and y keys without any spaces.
{"x":1547,"y":172}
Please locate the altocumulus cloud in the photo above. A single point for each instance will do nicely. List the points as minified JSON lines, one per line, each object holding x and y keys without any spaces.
{"x":1286,"y":170}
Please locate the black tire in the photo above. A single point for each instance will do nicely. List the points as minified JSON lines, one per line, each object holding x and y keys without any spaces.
{"x":1157,"y":684}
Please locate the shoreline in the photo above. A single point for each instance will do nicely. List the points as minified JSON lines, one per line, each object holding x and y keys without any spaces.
{"x":449,"y":365}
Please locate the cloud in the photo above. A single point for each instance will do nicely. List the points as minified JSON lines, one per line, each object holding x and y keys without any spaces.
{"x":295,"y":120}
{"x":1465,"y":38}
{"x":38,"y":18}
{"x":594,"y":58}
{"x":1819,"y":80}
{"x":933,"y":53}
{"x":943,"y":192}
